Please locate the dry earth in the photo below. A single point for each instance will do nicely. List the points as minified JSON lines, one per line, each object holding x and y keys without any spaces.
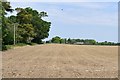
{"x":61,"y":61}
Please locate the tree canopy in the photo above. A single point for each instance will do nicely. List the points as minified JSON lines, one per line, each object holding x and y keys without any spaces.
{"x":28,"y":23}
{"x":60,"y":40}
{"x":56,"y":39}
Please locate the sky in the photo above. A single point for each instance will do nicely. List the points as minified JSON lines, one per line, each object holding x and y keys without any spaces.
{"x":84,"y":20}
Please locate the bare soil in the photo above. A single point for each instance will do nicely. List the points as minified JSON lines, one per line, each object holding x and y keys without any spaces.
{"x":61,"y":61}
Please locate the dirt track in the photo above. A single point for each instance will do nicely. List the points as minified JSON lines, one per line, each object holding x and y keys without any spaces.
{"x":61,"y":61}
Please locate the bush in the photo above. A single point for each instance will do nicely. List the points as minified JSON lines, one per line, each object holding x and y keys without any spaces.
{"x":4,"y":47}
{"x":20,"y":44}
{"x":47,"y":41}
{"x":56,"y":39}
{"x":32,"y":44}
{"x":9,"y":46}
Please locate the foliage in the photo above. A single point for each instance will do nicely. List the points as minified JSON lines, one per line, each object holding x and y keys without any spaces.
{"x":25,"y":33}
{"x":6,"y":24}
{"x":20,"y":44}
{"x":69,"y":41}
{"x":62,"y":41}
{"x":56,"y":39}
{"x":29,"y":26}
{"x":33,"y":17}
{"x":32,"y":44}
{"x":107,"y":43}
{"x":89,"y":41}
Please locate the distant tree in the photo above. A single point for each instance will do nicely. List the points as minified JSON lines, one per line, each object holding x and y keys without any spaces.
{"x":69,"y":41}
{"x":77,"y":40}
{"x":63,"y":41}
{"x":93,"y":42}
{"x":73,"y":41}
{"x":56,"y":39}
{"x":90,"y":42}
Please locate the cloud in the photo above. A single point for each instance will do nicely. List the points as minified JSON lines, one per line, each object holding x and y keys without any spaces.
{"x":85,"y":13}
{"x":89,"y":16}
{"x":93,"y":5}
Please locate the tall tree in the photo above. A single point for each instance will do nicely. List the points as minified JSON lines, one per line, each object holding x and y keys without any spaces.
{"x":31,"y":26}
{"x":25,"y":33}
{"x":5,"y":22}
{"x":5,"y":36}
{"x":33,"y":17}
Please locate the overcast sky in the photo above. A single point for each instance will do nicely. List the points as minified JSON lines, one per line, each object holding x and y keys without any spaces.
{"x":87,"y":20}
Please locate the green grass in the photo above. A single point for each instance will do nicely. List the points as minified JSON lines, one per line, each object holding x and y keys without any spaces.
{"x":6,"y":47}
{"x":20,"y":44}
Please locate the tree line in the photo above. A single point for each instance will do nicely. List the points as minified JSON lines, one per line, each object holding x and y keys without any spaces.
{"x":60,"y":40}
{"x":27,"y":26}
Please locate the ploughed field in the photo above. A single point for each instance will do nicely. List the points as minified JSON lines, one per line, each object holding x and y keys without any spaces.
{"x":61,"y":61}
